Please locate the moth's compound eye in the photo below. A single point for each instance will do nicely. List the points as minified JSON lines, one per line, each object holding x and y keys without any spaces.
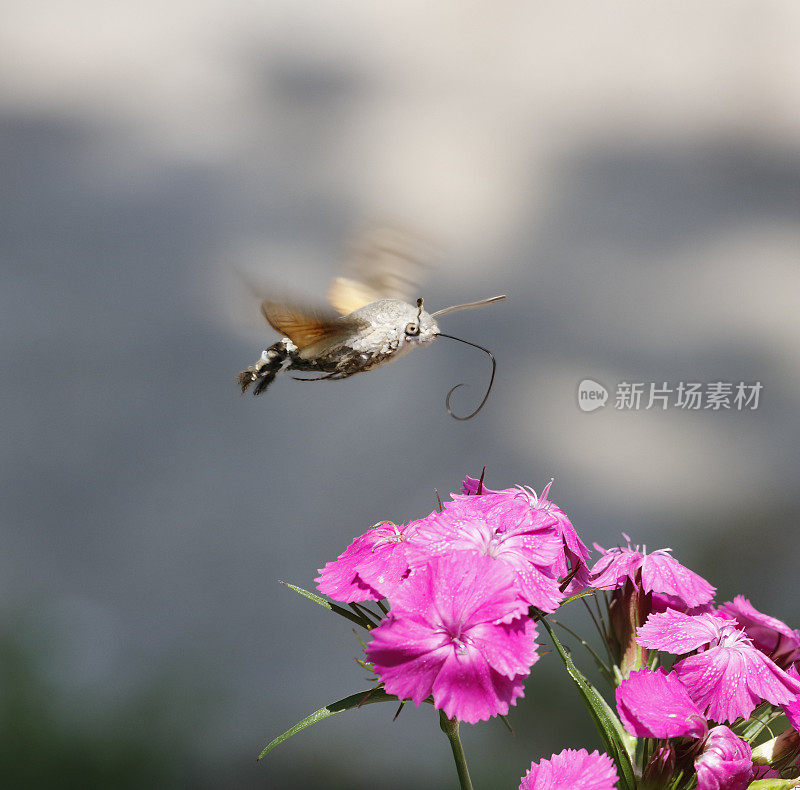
{"x":412,"y":329}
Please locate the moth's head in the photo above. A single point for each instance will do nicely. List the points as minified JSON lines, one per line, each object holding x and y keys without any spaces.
{"x":419,"y":327}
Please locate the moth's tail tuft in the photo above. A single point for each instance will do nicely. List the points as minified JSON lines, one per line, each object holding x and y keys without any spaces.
{"x":265,"y":378}
{"x":262,"y":377}
{"x":263,"y":373}
{"x":246,"y":378}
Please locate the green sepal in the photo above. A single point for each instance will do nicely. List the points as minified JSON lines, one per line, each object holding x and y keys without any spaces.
{"x":362,"y":621}
{"x":618,"y":743}
{"x":353,"y":701}
{"x":772,"y":784}
{"x":505,"y":721}
{"x":362,"y":611}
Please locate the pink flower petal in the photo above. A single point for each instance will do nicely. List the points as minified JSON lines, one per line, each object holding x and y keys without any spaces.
{"x":660,"y":602}
{"x":387,"y":565}
{"x":511,"y":651}
{"x":662,"y":573}
{"x":615,"y":567}
{"x":574,"y":553}
{"x":792,"y":709}
{"x":571,"y":769}
{"x":458,"y":589}
{"x":469,"y":486}
{"x":501,"y":517}
{"x":408,"y":657}
{"x":468,"y":689}
{"x":729,"y":680}
{"x":505,"y":531}
{"x":678,"y":633}
{"x":538,"y":589}
{"x":379,"y":551}
{"x":458,"y":631}
{"x":653,"y":704}
{"x":657,"y":572}
{"x":574,"y":545}
{"x":769,"y":635}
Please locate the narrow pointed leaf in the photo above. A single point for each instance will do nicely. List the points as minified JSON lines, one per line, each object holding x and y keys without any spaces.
{"x":614,"y":737}
{"x":759,"y":720}
{"x":353,"y":701}
{"x":601,"y":667}
{"x":772,"y":784}
{"x":578,"y":596}
{"x":368,"y":615}
{"x":362,"y":621}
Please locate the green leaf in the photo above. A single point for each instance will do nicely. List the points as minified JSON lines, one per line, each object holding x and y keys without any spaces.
{"x":362,"y":621}
{"x":601,"y":667}
{"x":353,"y":701}
{"x":772,"y":784}
{"x":617,"y":742}
{"x":760,"y":723}
{"x":578,"y":596}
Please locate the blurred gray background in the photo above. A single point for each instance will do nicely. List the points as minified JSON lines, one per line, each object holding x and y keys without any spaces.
{"x":628,"y":173}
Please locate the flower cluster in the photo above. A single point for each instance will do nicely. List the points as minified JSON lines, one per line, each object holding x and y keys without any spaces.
{"x":734,"y":659}
{"x":461,"y":583}
{"x":466,"y":585}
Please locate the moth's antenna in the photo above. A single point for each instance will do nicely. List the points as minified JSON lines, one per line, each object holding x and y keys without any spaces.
{"x":468,"y":305}
{"x":419,"y":310}
{"x":488,"y":389}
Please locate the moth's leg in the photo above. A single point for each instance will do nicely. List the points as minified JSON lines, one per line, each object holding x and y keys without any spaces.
{"x":346,"y":366}
{"x":329,"y":377}
{"x":337,"y":375}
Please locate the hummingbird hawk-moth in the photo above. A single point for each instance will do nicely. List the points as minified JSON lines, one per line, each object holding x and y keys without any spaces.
{"x":371,"y":321}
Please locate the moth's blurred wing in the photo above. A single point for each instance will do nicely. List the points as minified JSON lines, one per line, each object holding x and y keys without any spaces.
{"x":385,"y":263}
{"x":347,"y":295}
{"x":305,"y":326}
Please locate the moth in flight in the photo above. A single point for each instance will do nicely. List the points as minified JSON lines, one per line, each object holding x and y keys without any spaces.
{"x":373,"y":319}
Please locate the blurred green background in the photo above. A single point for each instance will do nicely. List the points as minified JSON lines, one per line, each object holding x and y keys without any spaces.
{"x":628,"y":173}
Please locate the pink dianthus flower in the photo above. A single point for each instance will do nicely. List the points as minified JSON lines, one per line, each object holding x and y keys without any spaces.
{"x":727,"y":677}
{"x":792,"y":709}
{"x":657,"y":572}
{"x":769,"y":635}
{"x":574,"y":554}
{"x":505,"y":530}
{"x":457,"y":631}
{"x":654,"y":704}
{"x":571,"y":769}
{"x":371,"y":567}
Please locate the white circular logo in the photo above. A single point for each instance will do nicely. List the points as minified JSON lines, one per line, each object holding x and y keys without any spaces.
{"x":591,"y":395}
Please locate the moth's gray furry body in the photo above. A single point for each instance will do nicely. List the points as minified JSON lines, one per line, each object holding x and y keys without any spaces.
{"x":370,"y":336}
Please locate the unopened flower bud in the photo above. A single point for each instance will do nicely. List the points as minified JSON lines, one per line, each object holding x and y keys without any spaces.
{"x":627,"y":611}
{"x":781,"y":752}
{"x":658,"y":771}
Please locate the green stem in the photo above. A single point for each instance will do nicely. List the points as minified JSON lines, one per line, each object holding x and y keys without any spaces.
{"x":450,"y":729}
{"x":605,"y":671}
